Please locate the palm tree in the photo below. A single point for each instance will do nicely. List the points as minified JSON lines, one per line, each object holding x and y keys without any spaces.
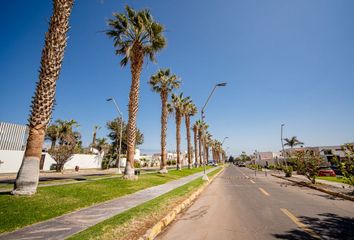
{"x":200,"y":125}
{"x":95,"y":128}
{"x":43,"y":100}
{"x":52,"y":134}
{"x":207,"y":144}
{"x":292,"y":142}
{"x":176,"y":106}
{"x":163,"y":82}
{"x":102,"y":145}
{"x":135,"y":35}
{"x":66,"y":133}
{"x":195,"y":136}
{"x":189,"y":109}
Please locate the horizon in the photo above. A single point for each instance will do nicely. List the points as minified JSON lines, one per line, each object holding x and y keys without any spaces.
{"x":283,"y":61}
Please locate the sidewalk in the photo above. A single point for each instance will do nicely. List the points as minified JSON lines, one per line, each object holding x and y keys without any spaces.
{"x":334,"y":184}
{"x":64,"y":226}
{"x":336,"y":189}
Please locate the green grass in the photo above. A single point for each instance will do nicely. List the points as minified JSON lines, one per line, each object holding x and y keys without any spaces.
{"x":54,"y":201}
{"x":333,"y":179}
{"x":134,"y":222}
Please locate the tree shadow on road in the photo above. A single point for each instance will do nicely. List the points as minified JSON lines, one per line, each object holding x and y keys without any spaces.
{"x":326,"y":225}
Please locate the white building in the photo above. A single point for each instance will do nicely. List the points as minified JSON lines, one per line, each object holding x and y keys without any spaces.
{"x":13,"y":136}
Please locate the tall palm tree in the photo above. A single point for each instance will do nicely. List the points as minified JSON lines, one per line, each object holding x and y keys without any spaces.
{"x":292,"y":142}
{"x":200,"y":125}
{"x":136,"y":35}
{"x":163,"y":82}
{"x":203,"y":136}
{"x":189,"y":110}
{"x":207,"y":144}
{"x":95,"y":128}
{"x":195,"y":136}
{"x":176,"y":106}
{"x":43,"y":100}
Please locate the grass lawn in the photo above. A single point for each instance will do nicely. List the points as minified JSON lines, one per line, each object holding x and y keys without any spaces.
{"x":136,"y":221}
{"x":333,"y":179}
{"x":49,"y":202}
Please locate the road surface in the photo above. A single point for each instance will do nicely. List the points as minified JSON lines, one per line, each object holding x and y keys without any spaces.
{"x":240,"y":205}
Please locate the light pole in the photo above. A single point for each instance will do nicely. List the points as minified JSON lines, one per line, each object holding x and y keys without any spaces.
{"x":120,"y":134}
{"x":202,"y":116}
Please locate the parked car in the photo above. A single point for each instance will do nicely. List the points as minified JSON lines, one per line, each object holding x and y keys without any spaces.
{"x":337,"y":171}
{"x":242,"y":164}
{"x":323,"y":172}
{"x":212,"y":163}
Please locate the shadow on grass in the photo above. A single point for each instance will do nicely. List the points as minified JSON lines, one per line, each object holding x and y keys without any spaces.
{"x":326,"y":225}
{"x":5,"y":193}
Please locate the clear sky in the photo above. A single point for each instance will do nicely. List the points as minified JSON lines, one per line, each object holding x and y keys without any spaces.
{"x":285,"y":61}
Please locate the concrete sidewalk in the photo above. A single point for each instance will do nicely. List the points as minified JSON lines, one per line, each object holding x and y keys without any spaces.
{"x":66,"y":225}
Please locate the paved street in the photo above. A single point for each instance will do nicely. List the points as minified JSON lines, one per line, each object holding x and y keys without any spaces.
{"x":238,"y":205}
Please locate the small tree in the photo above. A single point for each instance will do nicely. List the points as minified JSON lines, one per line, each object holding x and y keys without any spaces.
{"x":61,"y":155}
{"x":308,"y":163}
{"x":347,"y":164}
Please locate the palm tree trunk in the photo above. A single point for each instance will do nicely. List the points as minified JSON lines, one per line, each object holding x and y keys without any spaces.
{"x":135,"y":67}
{"x":178,"y":139}
{"x":207,"y":153}
{"x":164,"y":114}
{"x":53,"y":143}
{"x":43,"y":100}
{"x":195,"y":147}
{"x":200,"y":148}
{"x":189,"y":151}
{"x":204,"y":149}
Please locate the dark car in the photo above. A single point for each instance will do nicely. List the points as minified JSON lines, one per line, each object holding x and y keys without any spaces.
{"x":326,"y":172}
{"x":337,"y":171}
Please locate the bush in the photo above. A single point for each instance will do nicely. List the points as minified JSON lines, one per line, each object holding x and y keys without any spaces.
{"x":137,"y":164}
{"x":288,"y":170}
{"x":254,"y":166}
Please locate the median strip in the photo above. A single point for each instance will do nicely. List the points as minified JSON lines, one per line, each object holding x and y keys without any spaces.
{"x":300,"y":224}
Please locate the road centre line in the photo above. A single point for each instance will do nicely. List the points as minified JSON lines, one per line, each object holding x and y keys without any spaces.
{"x":300,"y":224}
{"x":264,"y":192}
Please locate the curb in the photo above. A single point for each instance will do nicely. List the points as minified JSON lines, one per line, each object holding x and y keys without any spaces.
{"x":171,"y":216}
{"x":336,"y":194}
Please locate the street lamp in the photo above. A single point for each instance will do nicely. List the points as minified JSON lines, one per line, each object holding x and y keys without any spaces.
{"x":120,"y":135}
{"x":202,"y":116}
{"x":224,"y":140}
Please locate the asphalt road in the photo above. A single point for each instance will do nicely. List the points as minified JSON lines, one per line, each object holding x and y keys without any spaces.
{"x":240,"y":205}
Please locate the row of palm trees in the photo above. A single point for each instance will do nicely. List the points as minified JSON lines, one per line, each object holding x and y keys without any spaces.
{"x":136,"y":37}
{"x":163,"y":83}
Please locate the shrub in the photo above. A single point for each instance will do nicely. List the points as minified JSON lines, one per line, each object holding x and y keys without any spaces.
{"x":137,"y":164}
{"x":288,"y":170}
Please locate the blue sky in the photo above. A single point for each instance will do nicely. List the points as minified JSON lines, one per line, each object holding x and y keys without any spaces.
{"x":285,"y":61}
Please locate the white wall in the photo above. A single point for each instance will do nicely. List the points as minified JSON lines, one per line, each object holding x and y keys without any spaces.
{"x":84,"y":161}
{"x":11,"y":161}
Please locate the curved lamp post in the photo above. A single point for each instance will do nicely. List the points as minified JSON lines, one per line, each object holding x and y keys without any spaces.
{"x":120,"y":134}
{"x":202,"y":116}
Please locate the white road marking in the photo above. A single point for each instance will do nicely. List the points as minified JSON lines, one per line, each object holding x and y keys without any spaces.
{"x":264,"y":192}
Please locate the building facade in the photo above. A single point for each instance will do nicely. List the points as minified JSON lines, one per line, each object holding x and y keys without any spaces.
{"x":13,"y":136}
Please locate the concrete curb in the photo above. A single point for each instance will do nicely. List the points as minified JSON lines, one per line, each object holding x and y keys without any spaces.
{"x":336,"y":194}
{"x":171,"y":216}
